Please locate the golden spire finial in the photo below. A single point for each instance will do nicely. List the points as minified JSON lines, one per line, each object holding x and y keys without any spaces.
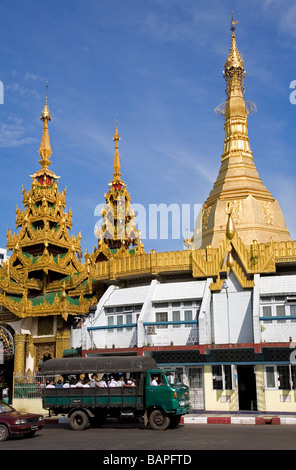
{"x":116,"y":165}
{"x":233,"y":23}
{"x":45,"y":148}
{"x":234,"y":59}
{"x":234,"y":68}
{"x":45,"y":113}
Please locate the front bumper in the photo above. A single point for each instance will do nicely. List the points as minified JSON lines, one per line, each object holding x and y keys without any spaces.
{"x":26,"y":427}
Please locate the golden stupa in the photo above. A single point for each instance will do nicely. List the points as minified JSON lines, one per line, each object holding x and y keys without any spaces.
{"x":255,"y":212}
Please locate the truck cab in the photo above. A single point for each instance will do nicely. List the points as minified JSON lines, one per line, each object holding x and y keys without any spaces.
{"x":167,"y":400}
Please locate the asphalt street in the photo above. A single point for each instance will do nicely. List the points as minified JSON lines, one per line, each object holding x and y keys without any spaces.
{"x":125,"y":437}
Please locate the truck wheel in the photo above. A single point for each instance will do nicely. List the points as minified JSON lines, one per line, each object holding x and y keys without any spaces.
{"x":78,"y":420}
{"x":4,"y":433}
{"x":158,"y":420}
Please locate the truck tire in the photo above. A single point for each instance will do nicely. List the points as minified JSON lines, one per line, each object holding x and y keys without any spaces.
{"x":78,"y":420}
{"x":158,"y":420}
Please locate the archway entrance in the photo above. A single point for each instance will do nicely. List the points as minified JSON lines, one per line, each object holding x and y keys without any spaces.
{"x":6,"y":362}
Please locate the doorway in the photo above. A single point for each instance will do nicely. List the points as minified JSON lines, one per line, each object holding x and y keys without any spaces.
{"x":247,"y":395}
{"x":195,"y":376}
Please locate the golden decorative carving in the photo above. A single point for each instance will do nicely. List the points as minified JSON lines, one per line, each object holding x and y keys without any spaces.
{"x":19,"y":353}
{"x":205,"y":216}
{"x":268,"y":213}
{"x":45,"y":326}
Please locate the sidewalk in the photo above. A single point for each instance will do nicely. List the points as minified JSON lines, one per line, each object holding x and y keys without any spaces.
{"x":212,"y":418}
{"x":204,"y":418}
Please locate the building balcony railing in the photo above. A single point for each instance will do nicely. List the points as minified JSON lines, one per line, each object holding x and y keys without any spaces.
{"x":178,"y":333}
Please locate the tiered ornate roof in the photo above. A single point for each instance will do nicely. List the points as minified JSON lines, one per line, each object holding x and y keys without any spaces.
{"x":44,"y":274}
{"x":118,"y":236}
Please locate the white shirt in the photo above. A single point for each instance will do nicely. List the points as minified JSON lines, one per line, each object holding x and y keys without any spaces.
{"x":112,"y":383}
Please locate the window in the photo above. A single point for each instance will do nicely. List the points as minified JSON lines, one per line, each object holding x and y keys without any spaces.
{"x":293,"y":374}
{"x":221,"y":375}
{"x":280,"y":307}
{"x":122,"y":315}
{"x":280,"y":377}
{"x":293,"y":312}
{"x":195,"y":377}
{"x":270,"y":377}
{"x":188,"y":317}
{"x":283,"y":378}
{"x":162,"y":305}
{"x":266,"y":313}
{"x":176,"y":317}
{"x":119,"y":322}
{"x":176,"y":312}
{"x":129,"y":319}
{"x":280,"y":312}
{"x":110,"y":323}
{"x":161,"y":317}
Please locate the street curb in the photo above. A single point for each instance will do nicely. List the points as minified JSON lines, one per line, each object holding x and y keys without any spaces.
{"x":248,"y":420}
{"x":239,"y":420}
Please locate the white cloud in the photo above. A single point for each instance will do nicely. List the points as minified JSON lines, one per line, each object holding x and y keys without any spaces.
{"x":14,"y":135}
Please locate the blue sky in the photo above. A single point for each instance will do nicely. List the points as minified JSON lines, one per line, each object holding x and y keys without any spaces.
{"x":157,"y":66}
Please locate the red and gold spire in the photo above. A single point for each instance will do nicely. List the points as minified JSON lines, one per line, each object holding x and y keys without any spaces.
{"x":118,"y":235}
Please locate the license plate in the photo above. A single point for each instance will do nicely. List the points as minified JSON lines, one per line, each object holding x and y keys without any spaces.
{"x":34,"y":427}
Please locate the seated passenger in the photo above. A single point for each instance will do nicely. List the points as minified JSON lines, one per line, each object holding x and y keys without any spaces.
{"x":121,"y":382}
{"x":131,"y":382}
{"x":50,"y":384}
{"x":59,"y":384}
{"x":112,"y":382}
{"x":94,"y":381}
{"x":86,"y":383}
{"x":79,"y":384}
{"x":66,"y":384}
{"x":103,"y":381}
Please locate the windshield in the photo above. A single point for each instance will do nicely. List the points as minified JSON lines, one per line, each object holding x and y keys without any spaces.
{"x":4,"y":408}
{"x":174,"y":377}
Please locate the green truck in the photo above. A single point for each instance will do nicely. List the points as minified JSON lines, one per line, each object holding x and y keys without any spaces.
{"x":160,"y":405}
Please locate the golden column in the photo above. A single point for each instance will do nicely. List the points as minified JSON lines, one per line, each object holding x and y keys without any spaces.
{"x":30,"y":354}
{"x":19,"y":353}
{"x":62,"y":342}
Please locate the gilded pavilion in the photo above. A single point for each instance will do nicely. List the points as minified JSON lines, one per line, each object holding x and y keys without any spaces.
{"x":44,"y":285}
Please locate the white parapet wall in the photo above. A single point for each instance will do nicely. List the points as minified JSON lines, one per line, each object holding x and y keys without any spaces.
{"x":29,"y":405}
